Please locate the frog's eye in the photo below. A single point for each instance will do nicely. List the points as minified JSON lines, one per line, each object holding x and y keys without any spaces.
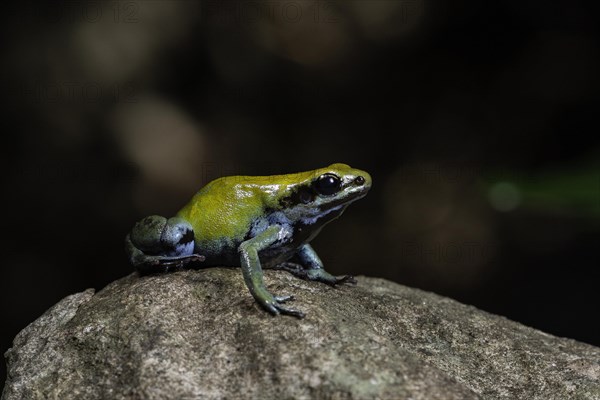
{"x":328,"y":184}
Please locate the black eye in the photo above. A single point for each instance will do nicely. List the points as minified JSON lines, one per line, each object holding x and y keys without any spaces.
{"x":328,"y":184}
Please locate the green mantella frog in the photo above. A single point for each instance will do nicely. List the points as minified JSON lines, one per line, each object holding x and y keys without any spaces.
{"x":253,"y":222}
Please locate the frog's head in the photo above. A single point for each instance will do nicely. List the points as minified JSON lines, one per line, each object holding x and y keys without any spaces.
{"x":319,"y":196}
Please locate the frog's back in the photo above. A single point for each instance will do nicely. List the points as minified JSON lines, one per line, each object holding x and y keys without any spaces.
{"x":223,"y":211}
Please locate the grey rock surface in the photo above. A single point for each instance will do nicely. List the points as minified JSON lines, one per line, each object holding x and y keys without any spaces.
{"x":199,"y":335}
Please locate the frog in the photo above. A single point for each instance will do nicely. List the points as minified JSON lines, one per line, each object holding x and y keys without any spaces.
{"x":254,"y":223}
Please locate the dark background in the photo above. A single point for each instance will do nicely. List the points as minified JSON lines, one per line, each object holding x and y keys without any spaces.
{"x":478,"y":122}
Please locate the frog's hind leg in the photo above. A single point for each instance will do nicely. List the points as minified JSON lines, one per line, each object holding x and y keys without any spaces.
{"x":157,"y":244}
{"x":307,"y":265}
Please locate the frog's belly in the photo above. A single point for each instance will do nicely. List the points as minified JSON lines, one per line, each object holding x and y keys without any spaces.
{"x":219,"y":253}
{"x":269,"y":258}
{"x":226,"y":254}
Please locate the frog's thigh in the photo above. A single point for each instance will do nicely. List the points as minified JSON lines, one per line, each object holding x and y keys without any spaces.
{"x":177,"y":238}
{"x":170,"y":243}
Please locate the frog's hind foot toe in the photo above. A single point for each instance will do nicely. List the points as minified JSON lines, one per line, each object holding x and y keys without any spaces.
{"x":167,"y":264}
{"x":283,"y":299}
{"x":346,"y":279}
{"x":289,"y":311}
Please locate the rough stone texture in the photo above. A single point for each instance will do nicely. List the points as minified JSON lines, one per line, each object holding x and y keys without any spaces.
{"x":199,"y":335}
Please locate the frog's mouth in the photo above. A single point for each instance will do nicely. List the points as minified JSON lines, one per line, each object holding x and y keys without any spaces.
{"x":351,"y":196}
{"x":339,"y":203}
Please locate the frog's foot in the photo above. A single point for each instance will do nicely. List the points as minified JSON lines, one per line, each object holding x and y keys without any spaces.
{"x":273,"y":304}
{"x":314,"y":274}
{"x":151,"y":264}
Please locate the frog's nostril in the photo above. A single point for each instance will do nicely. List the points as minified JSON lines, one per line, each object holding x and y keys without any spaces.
{"x":359,"y":180}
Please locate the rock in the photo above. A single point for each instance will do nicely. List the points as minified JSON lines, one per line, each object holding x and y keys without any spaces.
{"x":199,"y":335}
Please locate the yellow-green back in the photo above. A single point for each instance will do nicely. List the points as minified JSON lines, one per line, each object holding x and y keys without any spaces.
{"x":226,"y":207}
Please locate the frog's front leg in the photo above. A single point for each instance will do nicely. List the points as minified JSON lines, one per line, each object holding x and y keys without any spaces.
{"x":310,"y":267}
{"x":253,"y":275}
{"x":158,"y":244}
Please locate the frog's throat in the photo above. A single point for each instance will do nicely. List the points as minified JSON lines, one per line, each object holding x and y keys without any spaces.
{"x":313,"y":219}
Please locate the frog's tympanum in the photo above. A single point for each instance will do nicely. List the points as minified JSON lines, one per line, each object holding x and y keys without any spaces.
{"x":253,"y":222}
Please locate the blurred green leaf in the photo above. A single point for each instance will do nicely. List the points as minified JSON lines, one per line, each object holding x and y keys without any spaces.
{"x":567,"y":191}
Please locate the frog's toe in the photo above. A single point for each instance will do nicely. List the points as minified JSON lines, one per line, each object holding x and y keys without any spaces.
{"x":346,"y":279}
{"x":173,"y":263}
{"x":320,"y":275}
{"x":147,"y":265}
{"x":270,"y":308}
{"x":283,"y":299}
{"x":289,"y":311}
{"x":273,"y":306}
